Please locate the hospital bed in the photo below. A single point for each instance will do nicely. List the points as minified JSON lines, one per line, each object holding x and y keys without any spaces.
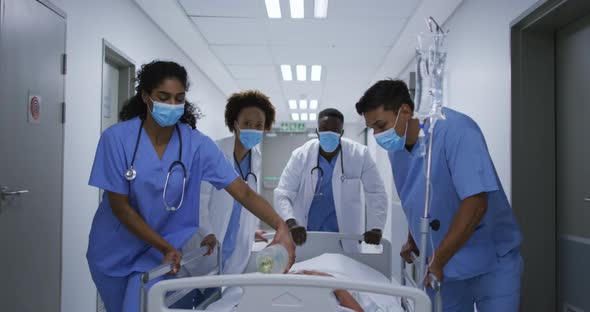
{"x":279,"y":292}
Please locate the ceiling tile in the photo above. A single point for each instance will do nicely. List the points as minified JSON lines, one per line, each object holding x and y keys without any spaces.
{"x":252,"y":72}
{"x":232,"y":31}
{"x":224,"y":8}
{"x":243,"y":55}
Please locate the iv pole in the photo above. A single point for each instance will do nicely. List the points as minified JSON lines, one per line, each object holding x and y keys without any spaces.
{"x":434,"y":66}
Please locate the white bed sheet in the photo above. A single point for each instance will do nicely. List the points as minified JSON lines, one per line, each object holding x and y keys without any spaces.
{"x":338,"y":265}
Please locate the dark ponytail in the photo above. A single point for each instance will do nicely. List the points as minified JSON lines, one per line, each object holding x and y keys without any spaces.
{"x":151,"y":76}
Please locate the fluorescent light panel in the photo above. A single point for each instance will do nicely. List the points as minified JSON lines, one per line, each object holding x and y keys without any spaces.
{"x":297,"y":8}
{"x":286,"y":72}
{"x":316,"y":72}
{"x":292,"y":104}
{"x":313,"y":104}
{"x":301,"y":72}
{"x":313,"y":116}
{"x":273,"y":8}
{"x":295,"y":116}
{"x":304,"y":116}
{"x":320,"y":9}
{"x":302,"y":104}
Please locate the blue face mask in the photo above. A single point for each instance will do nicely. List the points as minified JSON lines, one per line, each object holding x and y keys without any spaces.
{"x":167,"y":114}
{"x":329,"y":140}
{"x":250,"y":138}
{"x":389,"y":139}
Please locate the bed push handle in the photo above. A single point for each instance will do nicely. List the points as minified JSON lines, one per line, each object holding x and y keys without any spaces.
{"x":165,"y":268}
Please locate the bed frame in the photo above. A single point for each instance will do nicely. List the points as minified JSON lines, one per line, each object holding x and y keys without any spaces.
{"x":291,"y":293}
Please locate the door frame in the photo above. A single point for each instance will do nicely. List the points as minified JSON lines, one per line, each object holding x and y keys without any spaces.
{"x":53,"y":8}
{"x":534,"y":143}
{"x":111,"y":54}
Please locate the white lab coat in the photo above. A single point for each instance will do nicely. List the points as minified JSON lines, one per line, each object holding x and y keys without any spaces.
{"x":296,"y":189}
{"x":214,"y":213}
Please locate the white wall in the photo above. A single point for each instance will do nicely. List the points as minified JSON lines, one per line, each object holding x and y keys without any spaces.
{"x":478,"y":66}
{"x":124,"y":25}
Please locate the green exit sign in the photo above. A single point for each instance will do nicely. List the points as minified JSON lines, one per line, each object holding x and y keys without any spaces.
{"x":293,"y":127}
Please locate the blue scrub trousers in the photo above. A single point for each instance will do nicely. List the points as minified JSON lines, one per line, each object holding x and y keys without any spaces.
{"x":119,"y":294}
{"x":495,"y":291}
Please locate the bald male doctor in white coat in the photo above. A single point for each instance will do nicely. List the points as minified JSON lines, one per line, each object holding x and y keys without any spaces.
{"x":332,"y":184}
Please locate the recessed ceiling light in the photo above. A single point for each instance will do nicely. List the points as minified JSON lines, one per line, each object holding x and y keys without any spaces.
{"x":313,"y":116}
{"x":316,"y":72}
{"x":286,"y":72}
{"x":292,"y":104}
{"x":295,"y":116}
{"x":297,"y":8}
{"x":313,"y":104}
{"x":302,"y":104}
{"x":301,"y":72}
{"x":273,"y":8}
{"x":304,"y":116}
{"x":320,"y":9}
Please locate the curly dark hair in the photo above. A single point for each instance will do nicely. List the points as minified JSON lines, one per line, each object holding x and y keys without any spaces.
{"x":151,"y":76}
{"x":249,"y":98}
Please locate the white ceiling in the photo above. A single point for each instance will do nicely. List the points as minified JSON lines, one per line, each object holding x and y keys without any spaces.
{"x":238,"y":47}
{"x":350,"y":44}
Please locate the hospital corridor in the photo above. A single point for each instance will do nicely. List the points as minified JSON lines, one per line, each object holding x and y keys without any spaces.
{"x":295,"y":155}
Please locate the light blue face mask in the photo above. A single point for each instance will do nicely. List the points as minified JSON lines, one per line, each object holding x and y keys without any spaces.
{"x":250,"y":138}
{"x":390,"y":140}
{"x":329,"y":140}
{"x":167,"y":114}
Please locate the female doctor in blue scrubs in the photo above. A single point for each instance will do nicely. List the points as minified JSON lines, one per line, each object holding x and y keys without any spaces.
{"x":151,"y":166}
{"x":476,"y":249}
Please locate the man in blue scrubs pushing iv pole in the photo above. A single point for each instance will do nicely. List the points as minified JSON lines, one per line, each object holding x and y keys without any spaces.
{"x":443,"y":172}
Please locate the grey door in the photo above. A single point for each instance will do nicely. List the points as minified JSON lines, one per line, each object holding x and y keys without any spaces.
{"x":32,"y":44}
{"x":573,"y":169}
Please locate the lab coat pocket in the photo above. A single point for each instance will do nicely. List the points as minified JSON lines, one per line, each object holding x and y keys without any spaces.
{"x":351,"y":191}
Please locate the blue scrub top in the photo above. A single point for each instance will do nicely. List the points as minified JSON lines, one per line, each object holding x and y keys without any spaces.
{"x":461,"y":167}
{"x":322,"y":213}
{"x":233,"y":227}
{"x":115,"y":251}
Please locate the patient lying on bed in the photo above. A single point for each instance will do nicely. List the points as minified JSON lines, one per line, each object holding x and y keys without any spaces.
{"x":338,"y":266}
{"x":345,"y":299}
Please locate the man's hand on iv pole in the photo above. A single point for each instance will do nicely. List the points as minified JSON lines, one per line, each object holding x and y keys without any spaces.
{"x":210,"y":241}
{"x":298,"y":232}
{"x":373,"y":237}
{"x":435,"y":269}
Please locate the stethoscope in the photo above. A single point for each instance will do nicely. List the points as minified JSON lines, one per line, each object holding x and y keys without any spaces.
{"x":321,"y":171}
{"x":131,"y":174}
{"x":250,"y":173}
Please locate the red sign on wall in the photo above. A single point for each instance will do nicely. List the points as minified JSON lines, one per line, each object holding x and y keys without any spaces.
{"x":34,"y":109}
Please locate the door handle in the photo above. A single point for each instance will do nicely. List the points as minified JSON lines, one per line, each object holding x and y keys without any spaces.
{"x":5,"y":192}
{"x":587,"y":199}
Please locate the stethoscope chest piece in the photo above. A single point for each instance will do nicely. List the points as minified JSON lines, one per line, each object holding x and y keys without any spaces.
{"x":130,"y":174}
